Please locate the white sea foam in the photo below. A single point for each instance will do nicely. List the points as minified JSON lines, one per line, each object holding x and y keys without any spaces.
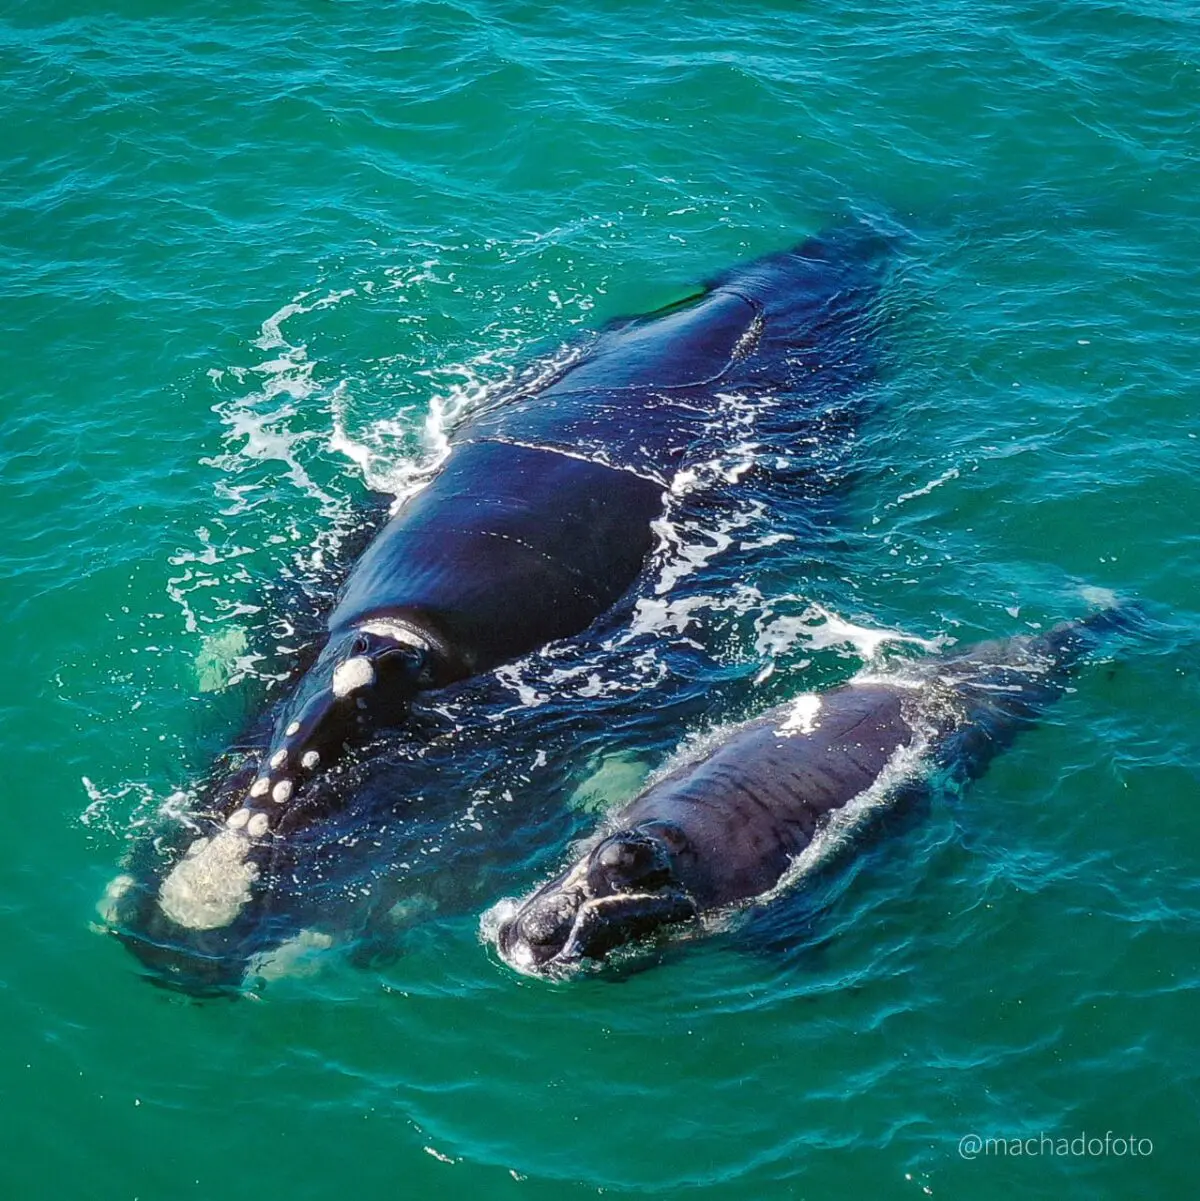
{"x":946,"y":476}
{"x":820,"y":628}
{"x":268,"y":438}
{"x":492,"y":918}
{"x":398,"y":459}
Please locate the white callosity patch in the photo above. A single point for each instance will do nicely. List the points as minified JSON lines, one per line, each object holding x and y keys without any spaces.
{"x":299,"y":956}
{"x":108,"y":907}
{"x":257,"y":826}
{"x":310,"y":759}
{"x":353,"y":674}
{"x":386,"y":627}
{"x":209,"y":886}
{"x":281,"y":792}
{"x":260,"y":786}
{"x":802,"y":716}
{"x":278,"y":759}
{"x":237,"y":819}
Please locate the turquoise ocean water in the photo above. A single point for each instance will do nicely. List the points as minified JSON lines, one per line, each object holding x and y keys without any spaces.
{"x":257,"y":258}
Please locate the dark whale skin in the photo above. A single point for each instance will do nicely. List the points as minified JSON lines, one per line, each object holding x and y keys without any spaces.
{"x":552,"y":543}
{"x":541,"y":518}
{"x":725,"y":830}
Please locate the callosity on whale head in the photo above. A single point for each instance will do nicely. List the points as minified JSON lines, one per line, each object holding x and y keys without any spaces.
{"x":364,"y":677}
{"x":625,"y":888}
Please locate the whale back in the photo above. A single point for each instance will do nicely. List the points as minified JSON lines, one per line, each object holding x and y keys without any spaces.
{"x":756,"y":802}
{"x":688,"y":344}
{"x":790,"y":336}
{"x":749,"y":807}
{"x":508,"y":548}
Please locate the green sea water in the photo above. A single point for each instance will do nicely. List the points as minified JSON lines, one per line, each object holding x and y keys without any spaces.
{"x":249,"y":250}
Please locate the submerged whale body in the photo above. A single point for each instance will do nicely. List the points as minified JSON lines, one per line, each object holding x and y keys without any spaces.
{"x":539,"y":522}
{"x":725,"y":831}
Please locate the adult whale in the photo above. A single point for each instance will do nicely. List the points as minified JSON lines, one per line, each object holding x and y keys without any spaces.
{"x":726,"y":830}
{"x":541,"y":518}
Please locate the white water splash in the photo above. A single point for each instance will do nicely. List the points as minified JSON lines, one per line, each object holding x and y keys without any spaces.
{"x":802,"y":717}
{"x":946,"y":476}
{"x":385,"y":450}
{"x":819,"y":628}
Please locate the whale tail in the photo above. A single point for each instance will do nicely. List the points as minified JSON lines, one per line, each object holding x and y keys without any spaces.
{"x":1002,"y":687}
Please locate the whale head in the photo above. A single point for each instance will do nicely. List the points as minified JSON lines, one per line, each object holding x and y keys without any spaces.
{"x":364,"y":677}
{"x":625,"y":888}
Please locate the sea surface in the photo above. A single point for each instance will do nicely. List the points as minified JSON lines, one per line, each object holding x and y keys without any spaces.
{"x":260,"y":260}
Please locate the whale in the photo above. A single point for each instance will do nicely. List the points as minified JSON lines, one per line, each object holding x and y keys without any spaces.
{"x":542,"y":517}
{"x":727,"y":830}
{"x":538,"y":526}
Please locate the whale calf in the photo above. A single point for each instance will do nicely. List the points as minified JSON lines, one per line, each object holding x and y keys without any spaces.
{"x":725,"y":831}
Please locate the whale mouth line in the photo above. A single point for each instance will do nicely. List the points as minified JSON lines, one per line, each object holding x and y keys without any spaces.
{"x":592,"y":908}
{"x":595,"y":929}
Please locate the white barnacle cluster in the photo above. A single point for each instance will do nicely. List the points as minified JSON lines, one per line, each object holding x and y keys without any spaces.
{"x":208,"y":887}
